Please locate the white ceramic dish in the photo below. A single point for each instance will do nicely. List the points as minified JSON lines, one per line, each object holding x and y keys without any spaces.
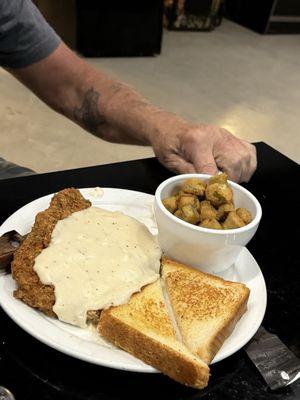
{"x":85,"y":344}
{"x":210,"y":250}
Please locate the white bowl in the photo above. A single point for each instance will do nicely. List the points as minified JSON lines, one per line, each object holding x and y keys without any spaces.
{"x":210,"y":250}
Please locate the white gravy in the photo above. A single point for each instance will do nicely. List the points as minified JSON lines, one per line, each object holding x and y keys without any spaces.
{"x":96,"y":259}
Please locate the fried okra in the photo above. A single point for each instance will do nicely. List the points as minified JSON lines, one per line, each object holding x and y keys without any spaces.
{"x":220,"y":178}
{"x":194,"y":186}
{"x":244,"y":214}
{"x":211,"y":224}
{"x":209,"y":205}
{"x":223,"y":211}
{"x":178,"y":214}
{"x":171,"y":203}
{"x":207,"y":211}
{"x":188,"y":214}
{"x":233,"y":221}
{"x":218,"y":194}
{"x":188,"y":199}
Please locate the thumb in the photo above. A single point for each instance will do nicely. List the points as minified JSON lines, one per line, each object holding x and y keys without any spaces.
{"x":181,"y":166}
{"x":184,"y":167}
{"x":177,"y":164}
{"x":205,"y":164}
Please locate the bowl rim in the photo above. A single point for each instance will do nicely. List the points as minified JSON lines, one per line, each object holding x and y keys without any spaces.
{"x":197,"y":228}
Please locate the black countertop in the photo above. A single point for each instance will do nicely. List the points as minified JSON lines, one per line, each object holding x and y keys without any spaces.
{"x":32,"y":370}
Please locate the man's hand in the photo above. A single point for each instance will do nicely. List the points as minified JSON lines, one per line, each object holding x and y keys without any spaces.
{"x":205,"y":149}
{"x":116,"y":113}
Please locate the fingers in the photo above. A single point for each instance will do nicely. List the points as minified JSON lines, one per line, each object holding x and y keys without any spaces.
{"x":198,"y":151}
{"x":184,"y":167}
{"x":210,"y":149}
{"x":236,"y":157}
{"x":207,"y":149}
{"x":245,"y":162}
{"x":178,"y":164}
{"x":251,"y":162}
{"x":204,"y":163}
{"x":231,"y":162}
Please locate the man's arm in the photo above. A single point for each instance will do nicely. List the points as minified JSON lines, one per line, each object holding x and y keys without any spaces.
{"x":114,"y":112}
{"x":103,"y":106}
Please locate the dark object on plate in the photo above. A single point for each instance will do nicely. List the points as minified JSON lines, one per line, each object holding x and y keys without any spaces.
{"x":9,"y":242}
{"x":277,"y":364}
{"x":193,"y":15}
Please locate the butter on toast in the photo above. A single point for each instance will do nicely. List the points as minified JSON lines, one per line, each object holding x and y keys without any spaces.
{"x":206,"y":307}
{"x":143,"y":328}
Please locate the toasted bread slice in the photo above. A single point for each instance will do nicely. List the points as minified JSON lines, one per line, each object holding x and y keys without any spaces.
{"x":206,"y":307}
{"x":142,"y":327}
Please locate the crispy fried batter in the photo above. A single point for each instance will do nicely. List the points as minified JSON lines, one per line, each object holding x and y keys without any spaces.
{"x":30,"y":289}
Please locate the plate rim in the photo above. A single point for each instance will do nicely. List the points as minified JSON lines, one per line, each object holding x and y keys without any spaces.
{"x":142,"y":368}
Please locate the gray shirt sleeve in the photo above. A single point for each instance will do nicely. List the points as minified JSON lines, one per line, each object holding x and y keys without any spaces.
{"x":25,"y":36}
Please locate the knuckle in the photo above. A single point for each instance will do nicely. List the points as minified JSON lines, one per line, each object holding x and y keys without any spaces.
{"x":237,"y":161}
{"x":207,"y":169}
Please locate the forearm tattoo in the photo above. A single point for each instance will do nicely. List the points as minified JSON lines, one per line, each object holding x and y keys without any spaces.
{"x":88,"y":114}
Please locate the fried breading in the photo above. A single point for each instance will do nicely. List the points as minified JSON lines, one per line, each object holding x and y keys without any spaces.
{"x":30,"y":289}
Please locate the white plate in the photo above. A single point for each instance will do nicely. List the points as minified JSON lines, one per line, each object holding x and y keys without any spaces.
{"x":85,"y":344}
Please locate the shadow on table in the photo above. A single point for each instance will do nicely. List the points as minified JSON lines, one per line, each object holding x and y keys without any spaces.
{"x":59,"y":374}
{"x":32,"y":370}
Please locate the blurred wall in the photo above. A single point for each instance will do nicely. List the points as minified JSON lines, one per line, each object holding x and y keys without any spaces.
{"x":61,"y":15}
